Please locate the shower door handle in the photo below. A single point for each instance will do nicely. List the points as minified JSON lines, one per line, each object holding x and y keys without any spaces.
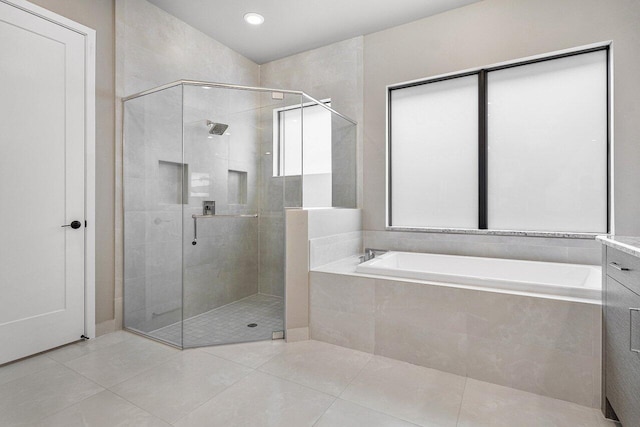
{"x":74,"y":224}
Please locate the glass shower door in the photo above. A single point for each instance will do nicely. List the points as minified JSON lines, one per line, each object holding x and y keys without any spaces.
{"x":233,"y":285}
{"x":153,"y":200}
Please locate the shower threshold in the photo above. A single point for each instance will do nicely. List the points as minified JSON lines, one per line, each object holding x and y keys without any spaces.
{"x":231,"y":323}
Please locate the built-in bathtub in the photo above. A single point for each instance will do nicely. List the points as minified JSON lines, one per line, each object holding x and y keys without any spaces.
{"x":544,"y":278}
{"x":534,"y":326}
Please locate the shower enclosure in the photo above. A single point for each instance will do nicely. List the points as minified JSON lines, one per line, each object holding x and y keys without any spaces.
{"x":208,"y":172}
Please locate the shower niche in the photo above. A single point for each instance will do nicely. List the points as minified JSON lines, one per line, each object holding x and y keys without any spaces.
{"x":187,"y":143}
{"x":172,"y":182}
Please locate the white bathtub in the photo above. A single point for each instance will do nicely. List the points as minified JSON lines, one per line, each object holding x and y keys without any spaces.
{"x":547,"y":278}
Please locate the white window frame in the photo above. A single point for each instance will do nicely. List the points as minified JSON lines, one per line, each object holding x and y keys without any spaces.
{"x":278,"y":154}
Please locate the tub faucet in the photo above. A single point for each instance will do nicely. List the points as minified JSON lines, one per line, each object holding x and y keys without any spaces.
{"x":370,"y":253}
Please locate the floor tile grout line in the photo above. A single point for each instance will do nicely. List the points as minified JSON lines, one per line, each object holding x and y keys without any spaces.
{"x":69,"y":406}
{"x":252,"y":370}
{"x":308,"y":386}
{"x":379,"y":412}
{"x":175,"y":356}
{"x":79,"y":401}
{"x":464,"y":392}
{"x":324,"y":412}
{"x":127,"y":378}
{"x":385,"y":413}
{"x":31,"y":373}
{"x":297,"y":383}
{"x":91,"y":351}
{"x":139,"y":407}
{"x":357,"y":375}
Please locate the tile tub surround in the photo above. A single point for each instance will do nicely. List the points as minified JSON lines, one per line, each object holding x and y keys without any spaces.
{"x":333,"y":234}
{"x":262,"y":384}
{"x":550,"y":347}
{"x":314,"y":237}
{"x":571,"y":251}
{"x":325,"y":250}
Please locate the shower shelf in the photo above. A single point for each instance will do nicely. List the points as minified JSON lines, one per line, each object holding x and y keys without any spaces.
{"x":197,"y":217}
{"x":225,"y":216}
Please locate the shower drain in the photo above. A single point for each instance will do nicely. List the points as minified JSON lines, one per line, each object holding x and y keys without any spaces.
{"x":252,"y":325}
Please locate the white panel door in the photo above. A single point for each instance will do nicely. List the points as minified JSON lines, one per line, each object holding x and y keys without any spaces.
{"x":42,"y":119}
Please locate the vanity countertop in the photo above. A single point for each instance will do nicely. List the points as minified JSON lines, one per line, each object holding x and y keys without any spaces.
{"x":628,"y":244}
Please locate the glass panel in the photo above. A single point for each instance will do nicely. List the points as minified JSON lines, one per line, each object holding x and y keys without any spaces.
{"x":344,"y":158}
{"x":434,"y":154}
{"x":548,"y":145}
{"x":234,"y":274}
{"x":277,"y":191}
{"x":316,"y":155}
{"x":287,"y":142}
{"x":154,"y":193}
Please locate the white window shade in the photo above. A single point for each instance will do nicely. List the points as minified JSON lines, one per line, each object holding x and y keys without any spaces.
{"x":434,"y":154}
{"x":547,"y":145}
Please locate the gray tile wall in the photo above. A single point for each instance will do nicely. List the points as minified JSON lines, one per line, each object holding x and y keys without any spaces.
{"x":575,"y":251}
{"x":325,"y":250}
{"x":154,"y":48}
{"x":333,"y":234}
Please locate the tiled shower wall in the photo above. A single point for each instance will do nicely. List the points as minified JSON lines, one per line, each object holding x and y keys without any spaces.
{"x":166,"y":185}
{"x":223,"y":266}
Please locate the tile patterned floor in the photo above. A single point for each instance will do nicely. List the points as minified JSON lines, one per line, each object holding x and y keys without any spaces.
{"x":122,"y":379}
{"x":228,"y":323}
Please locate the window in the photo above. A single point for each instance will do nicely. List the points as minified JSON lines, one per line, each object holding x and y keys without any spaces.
{"x":520,"y":147}
{"x":288,"y":138}
{"x":302,"y":147}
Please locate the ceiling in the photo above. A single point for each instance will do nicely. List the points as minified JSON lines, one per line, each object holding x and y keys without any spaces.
{"x":293,"y":26}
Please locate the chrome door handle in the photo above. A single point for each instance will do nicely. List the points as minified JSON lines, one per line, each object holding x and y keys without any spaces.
{"x":631,"y":311}
{"x":618,"y":266}
{"x":74,"y":224}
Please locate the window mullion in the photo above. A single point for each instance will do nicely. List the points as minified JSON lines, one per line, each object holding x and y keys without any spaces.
{"x":482,"y":150}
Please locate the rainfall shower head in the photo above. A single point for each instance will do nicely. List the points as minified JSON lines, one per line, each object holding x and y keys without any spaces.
{"x":216,"y":128}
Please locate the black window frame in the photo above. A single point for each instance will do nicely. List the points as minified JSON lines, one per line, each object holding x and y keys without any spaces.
{"x":483,"y":157}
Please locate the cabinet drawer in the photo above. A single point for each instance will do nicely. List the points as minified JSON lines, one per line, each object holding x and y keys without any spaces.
{"x":622,"y":346}
{"x":624,"y":268}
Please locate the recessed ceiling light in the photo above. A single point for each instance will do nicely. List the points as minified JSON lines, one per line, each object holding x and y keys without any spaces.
{"x":254,"y":18}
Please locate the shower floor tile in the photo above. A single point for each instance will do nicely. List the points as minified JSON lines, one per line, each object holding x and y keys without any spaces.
{"x":228,"y":324}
